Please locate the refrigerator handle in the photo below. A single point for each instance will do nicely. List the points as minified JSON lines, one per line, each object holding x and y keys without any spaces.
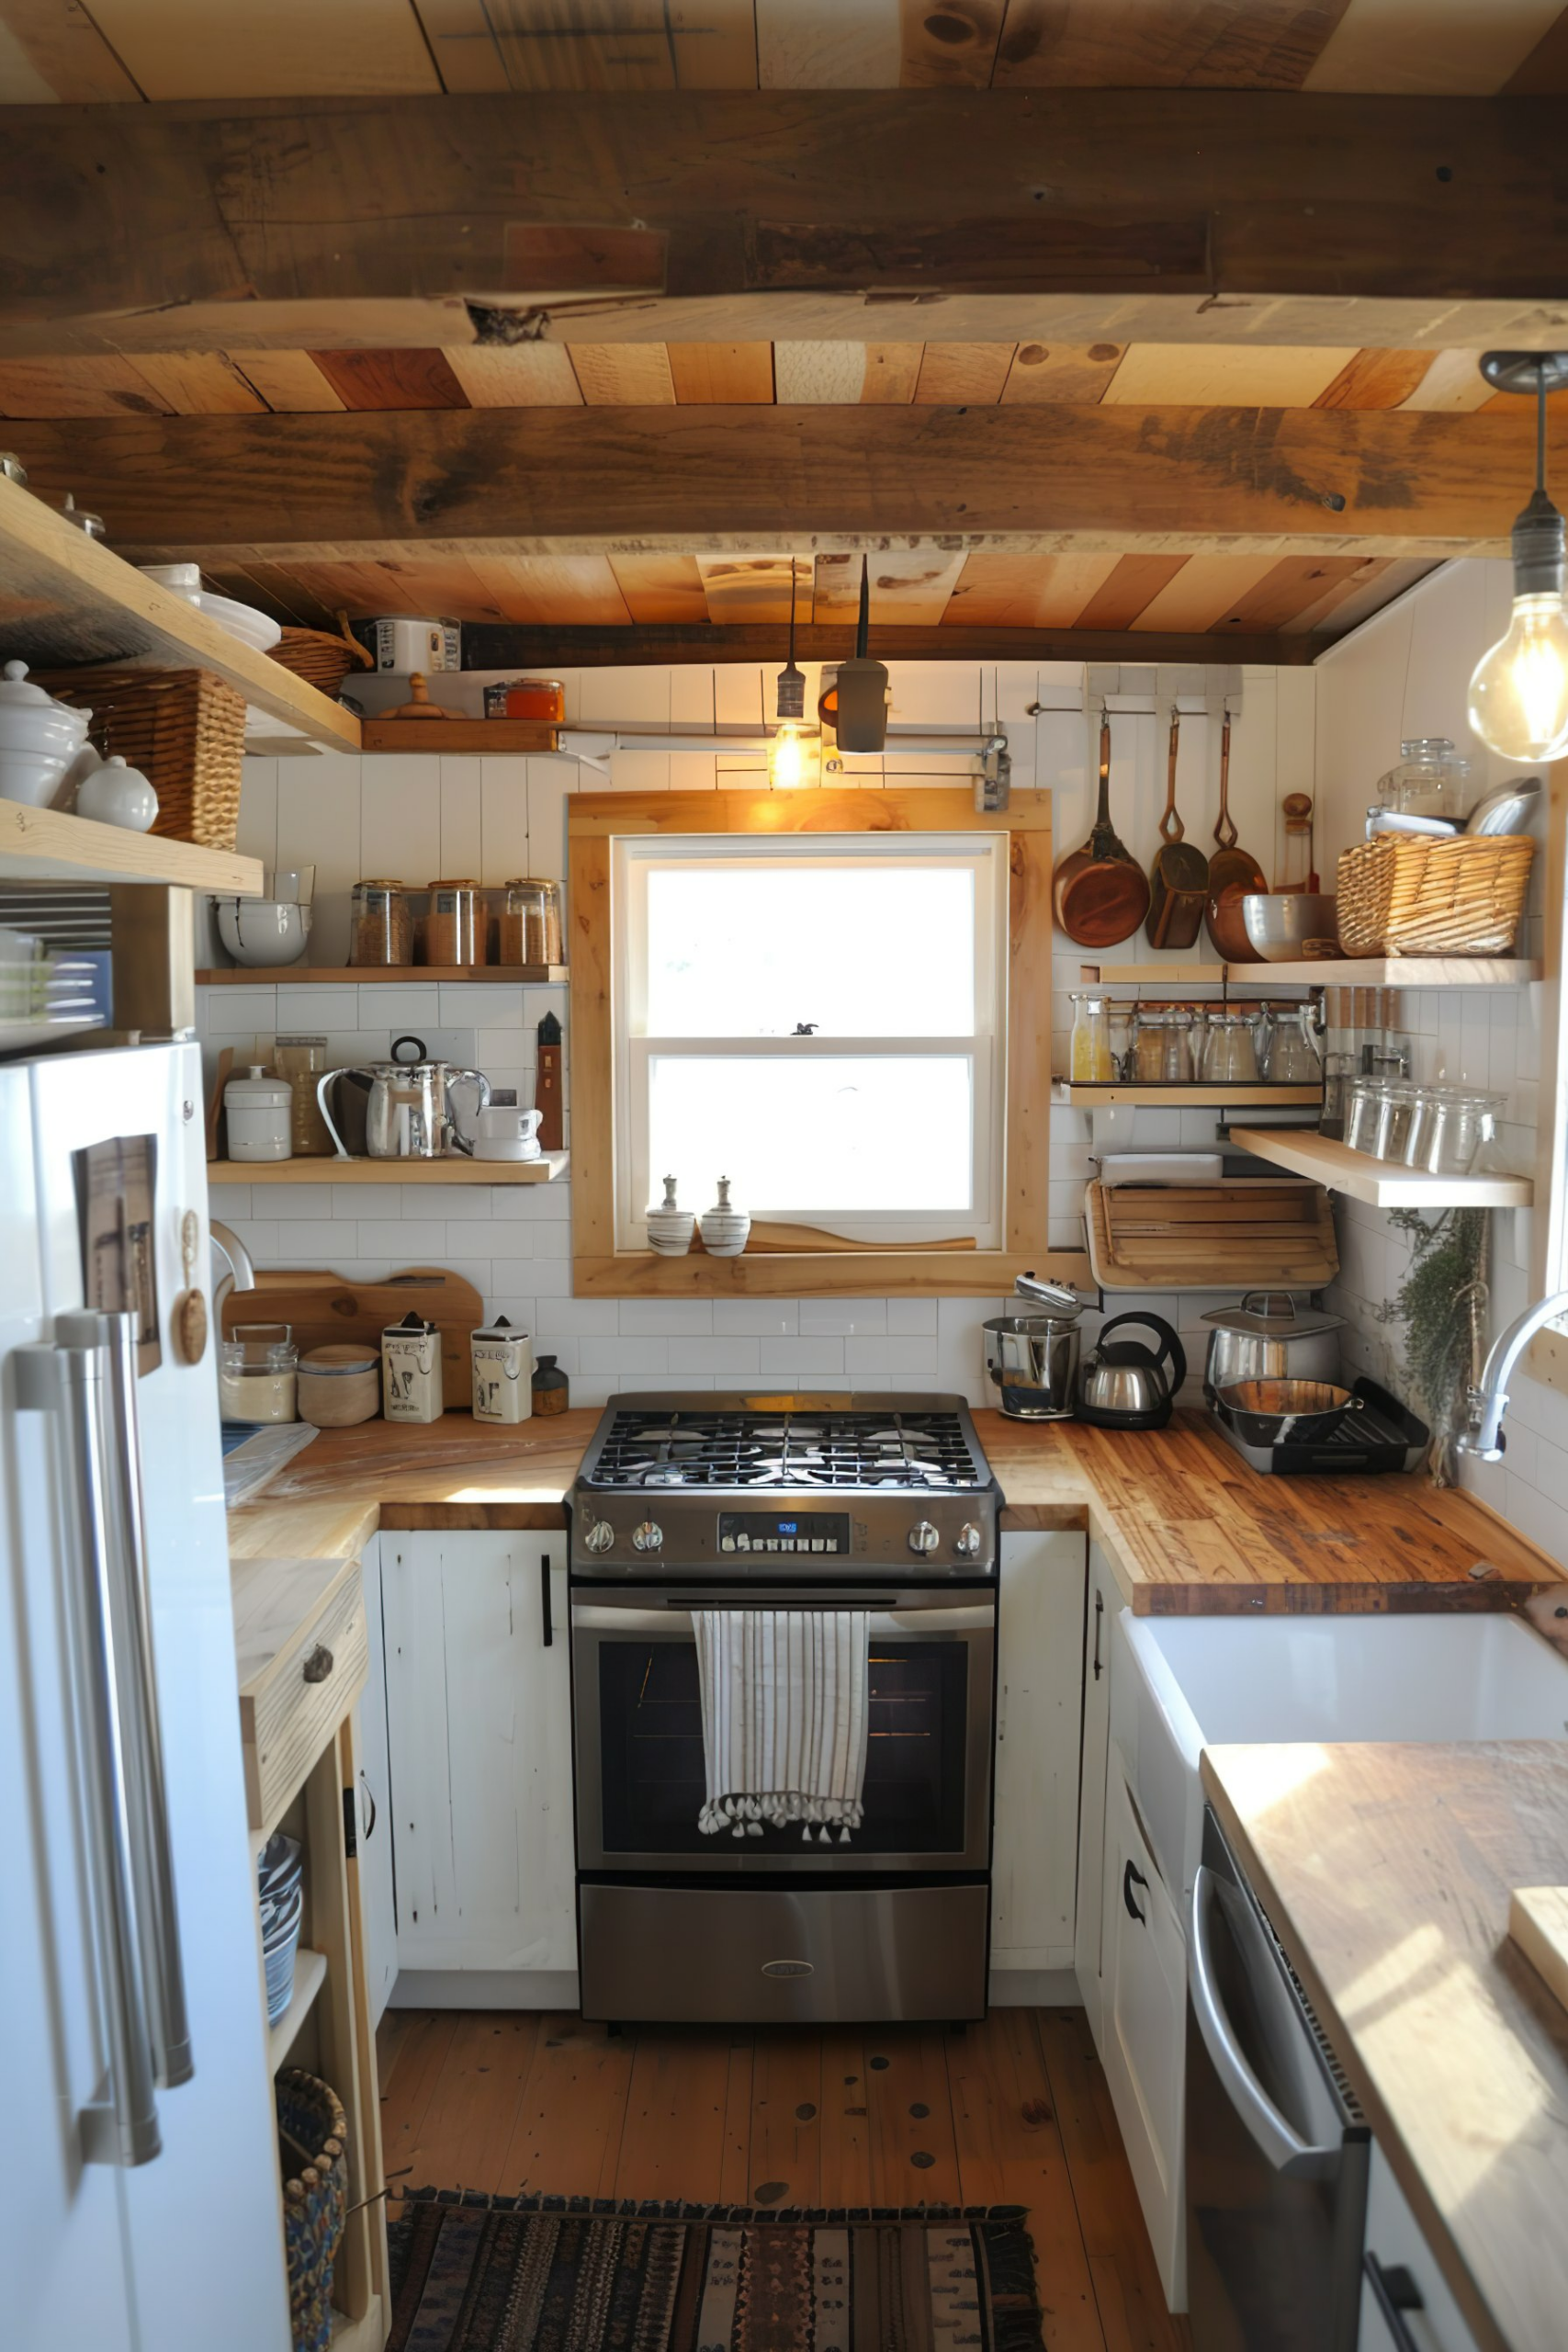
{"x":68,"y":1381}
{"x":150,"y":1845}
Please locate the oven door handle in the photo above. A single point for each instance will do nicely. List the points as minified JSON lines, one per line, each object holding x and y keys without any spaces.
{"x":593,"y":1617}
{"x":1284,"y":2148}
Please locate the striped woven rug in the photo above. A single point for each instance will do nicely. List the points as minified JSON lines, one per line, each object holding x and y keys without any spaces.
{"x":557,"y":2274}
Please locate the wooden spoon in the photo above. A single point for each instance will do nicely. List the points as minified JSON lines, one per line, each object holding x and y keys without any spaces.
{"x":1232,"y":874}
{"x":1100,"y":893}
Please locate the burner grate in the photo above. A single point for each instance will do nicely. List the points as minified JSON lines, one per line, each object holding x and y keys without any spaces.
{"x":872,"y":1452}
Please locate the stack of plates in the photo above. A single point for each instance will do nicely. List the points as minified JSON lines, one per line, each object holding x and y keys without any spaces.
{"x":281,"y":1891}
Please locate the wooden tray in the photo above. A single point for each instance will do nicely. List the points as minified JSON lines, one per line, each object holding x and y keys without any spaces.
{"x":324,"y":1308}
{"x":1244,"y":1232}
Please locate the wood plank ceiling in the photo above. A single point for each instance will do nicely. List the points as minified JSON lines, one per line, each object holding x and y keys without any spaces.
{"x":128,"y":51}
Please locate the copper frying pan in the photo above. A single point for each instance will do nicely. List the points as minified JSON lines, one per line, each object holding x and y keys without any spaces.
{"x":1233,"y":873}
{"x":1100,"y":893}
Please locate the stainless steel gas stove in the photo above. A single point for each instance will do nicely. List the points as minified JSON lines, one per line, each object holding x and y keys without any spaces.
{"x":875,"y":1502}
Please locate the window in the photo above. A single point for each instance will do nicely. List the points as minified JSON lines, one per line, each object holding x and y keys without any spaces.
{"x":819,"y":1020}
{"x":838,"y":999}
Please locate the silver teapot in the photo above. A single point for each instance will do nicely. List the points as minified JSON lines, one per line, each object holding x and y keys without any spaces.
{"x":408,"y":1112}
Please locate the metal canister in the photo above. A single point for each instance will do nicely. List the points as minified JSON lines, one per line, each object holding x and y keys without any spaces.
{"x":503,"y":1373}
{"x":411,"y":1371}
{"x":1033,"y":1361}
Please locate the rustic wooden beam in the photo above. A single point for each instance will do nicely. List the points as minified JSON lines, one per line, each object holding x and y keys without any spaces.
{"x":717,"y":215}
{"x":549,"y":481}
{"x":510,"y":645}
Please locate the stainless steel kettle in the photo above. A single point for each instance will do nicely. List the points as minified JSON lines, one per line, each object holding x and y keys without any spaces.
{"x":408,"y":1113}
{"x":1033,"y":1359}
{"x":1126,"y":1384}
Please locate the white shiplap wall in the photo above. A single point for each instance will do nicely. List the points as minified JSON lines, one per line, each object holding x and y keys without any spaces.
{"x":416,"y":816}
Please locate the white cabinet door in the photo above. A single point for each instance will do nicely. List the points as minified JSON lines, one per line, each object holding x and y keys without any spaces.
{"x":1039,"y":1711}
{"x":1098,"y":1621}
{"x":1407,"y":2270}
{"x":377,"y":1892}
{"x":479,"y":1708}
{"x":1143,"y":2027}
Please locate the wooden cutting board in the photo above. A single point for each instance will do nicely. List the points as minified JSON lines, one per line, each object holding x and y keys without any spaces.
{"x":1538,"y":1922}
{"x":326,"y":1309}
{"x":1244,"y":1232}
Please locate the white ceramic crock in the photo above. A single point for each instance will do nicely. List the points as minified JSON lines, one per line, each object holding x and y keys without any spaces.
{"x":260,"y":1111}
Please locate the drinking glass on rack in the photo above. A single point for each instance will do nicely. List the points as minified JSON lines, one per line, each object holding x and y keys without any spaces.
{"x":1230,"y":1054}
{"x":1290,"y":1054}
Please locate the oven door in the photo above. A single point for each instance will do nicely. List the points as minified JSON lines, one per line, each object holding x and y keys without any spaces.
{"x":640,"y":1773}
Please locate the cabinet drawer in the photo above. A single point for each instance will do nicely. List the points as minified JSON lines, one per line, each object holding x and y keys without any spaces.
{"x":291,"y":1705}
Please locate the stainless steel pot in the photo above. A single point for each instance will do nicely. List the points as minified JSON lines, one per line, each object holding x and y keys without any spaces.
{"x":1268,"y":1337}
{"x":1285,"y":1412}
{"x":1033,"y":1360}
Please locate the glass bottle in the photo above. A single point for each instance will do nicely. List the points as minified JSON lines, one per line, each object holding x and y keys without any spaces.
{"x":1092,"y":1062}
{"x":301,"y":1060}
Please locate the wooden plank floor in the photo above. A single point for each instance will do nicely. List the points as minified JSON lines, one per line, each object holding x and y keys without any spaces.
{"x":1014,"y":2111}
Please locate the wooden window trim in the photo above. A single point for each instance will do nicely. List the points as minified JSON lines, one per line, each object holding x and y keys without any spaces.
{"x":1546,"y":1359}
{"x":594,"y":821}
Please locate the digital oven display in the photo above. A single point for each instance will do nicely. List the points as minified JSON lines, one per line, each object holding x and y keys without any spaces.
{"x":822,"y":1535}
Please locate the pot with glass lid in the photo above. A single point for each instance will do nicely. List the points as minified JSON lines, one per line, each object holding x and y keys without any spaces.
{"x":1268,"y":1337}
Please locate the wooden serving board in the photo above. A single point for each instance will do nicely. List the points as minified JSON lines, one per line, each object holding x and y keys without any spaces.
{"x":1538,"y":1923}
{"x":324,"y":1308}
{"x":1244,"y":1232}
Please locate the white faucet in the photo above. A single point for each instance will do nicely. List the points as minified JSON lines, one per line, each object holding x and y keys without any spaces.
{"x":242,"y":1274}
{"x":1483,"y":1434}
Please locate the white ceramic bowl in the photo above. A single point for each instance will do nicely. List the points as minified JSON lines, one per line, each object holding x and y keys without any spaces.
{"x":182,"y":579}
{"x":243,"y":621}
{"x":33,"y":777}
{"x":262,"y":932}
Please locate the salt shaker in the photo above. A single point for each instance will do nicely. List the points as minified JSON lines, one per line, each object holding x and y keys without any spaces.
{"x":411,"y":1371}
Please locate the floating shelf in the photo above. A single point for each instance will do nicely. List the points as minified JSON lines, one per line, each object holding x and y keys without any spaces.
{"x":331,"y":976}
{"x":494,"y":735}
{"x":1393,"y":972}
{"x":1379,"y":1181}
{"x":68,"y":603}
{"x":1149,"y":976}
{"x":310,"y":1975}
{"x":1119,"y":1094}
{"x":456,"y":1171}
{"x":45,"y":845}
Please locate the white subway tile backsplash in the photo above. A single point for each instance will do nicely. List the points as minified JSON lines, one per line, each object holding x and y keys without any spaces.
{"x":671,"y":1316}
{"x":911,"y":1317}
{"x":756,"y":1318}
{"x":819,"y":1358}
{"x":841,"y":1317}
{"x":726,"y":1359}
{"x":643,"y":1354}
{"x":408,"y":1237}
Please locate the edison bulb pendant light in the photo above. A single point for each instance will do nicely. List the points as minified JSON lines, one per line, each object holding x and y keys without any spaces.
{"x":793,"y":750}
{"x":1518,"y":690}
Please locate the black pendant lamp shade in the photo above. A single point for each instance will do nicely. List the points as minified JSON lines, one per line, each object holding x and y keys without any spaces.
{"x":861,"y":722}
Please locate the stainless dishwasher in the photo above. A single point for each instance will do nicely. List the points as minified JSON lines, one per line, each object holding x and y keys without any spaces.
{"x":1277,"y":2153}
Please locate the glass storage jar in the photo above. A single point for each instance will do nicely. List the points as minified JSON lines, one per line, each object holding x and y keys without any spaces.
{"x":258,"y":1374}
{"x":1162,"y":1053}
{"x":530,"y":922}
{"x":1091,"y":1062}
{"x":1431,"y":780}
{"x":1230,"y":1051}
{"x":1290,"y":1056}
{"x":380,"y":924}
{"x":451,"y":930}
{"x":301,"y":1061}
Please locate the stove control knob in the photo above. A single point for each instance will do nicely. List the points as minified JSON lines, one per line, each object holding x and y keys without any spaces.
{"x":599,"y":1535}
{"x":649,"y":1537}
{"x":924,"y":1536}
{"x":966,"y":1543}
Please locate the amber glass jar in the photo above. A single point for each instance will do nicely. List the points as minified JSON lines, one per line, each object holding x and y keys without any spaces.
{"x":381,"y":924}
{"x":453,"y":928}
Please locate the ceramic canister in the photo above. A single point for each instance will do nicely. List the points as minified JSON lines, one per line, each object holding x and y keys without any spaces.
{"x":723,"y":1227}
{"x":503,"y":1373}
{"x":411,"y":1371}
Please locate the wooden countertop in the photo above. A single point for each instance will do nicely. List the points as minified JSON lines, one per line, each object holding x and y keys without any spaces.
{"x":1386,"y":1872}
{"x":1187,"y":1526}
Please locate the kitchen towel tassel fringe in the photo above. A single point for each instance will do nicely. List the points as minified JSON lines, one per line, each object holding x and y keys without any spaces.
{"x":784,"y":1707}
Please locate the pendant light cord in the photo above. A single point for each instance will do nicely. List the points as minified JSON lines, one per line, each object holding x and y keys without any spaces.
{"x":1540,"y":426}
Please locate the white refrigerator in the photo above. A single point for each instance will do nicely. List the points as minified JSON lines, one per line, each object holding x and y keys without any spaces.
{"x":139,"y":2210}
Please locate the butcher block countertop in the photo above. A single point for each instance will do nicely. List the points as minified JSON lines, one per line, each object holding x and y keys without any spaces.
{"x":1187,"y":1526}
{"x":1386,"y":1872}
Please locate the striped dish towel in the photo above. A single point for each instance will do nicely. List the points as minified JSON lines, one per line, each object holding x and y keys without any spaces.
{"x":784,"y":1718}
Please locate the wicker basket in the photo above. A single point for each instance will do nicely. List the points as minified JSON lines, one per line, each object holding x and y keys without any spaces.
{"x":315,"y":2200}
{"x":184,"y":728}
{"x":1407,"y":894}
{"x":320,"y":656}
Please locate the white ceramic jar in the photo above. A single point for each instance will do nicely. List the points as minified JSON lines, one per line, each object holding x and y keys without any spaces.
{"x":38,"y":739}
{"x":502,"y":1359}
{"x":670,"y":1226}
{"x":260,"y":1111}
{"x":724,"y":1227}
{"x":412,"y":1386}
{"x":112,"y":793}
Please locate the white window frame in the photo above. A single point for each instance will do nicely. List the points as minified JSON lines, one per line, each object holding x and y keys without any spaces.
{"x":984,"y":855}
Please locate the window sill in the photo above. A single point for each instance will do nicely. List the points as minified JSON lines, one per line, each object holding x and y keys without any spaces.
{"x":847,"y":1273}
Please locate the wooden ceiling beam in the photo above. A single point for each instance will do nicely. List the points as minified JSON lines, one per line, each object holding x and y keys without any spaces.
{"x":995,"y":216}
{"x":393,"y":486}
{"x":489,"y":645}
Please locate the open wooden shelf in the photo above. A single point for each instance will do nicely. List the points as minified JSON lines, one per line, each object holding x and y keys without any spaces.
{"x":1381,"y":1182}
{"x":460,"y":734}
{"x":1152,"y":975}
{"x":332,"y":975}
{"x":67,"y":602}
{"x":1389,"y":972}
{"x":456,"y":1171}
{"x":44,"y":845}
{"x":1132,"y":1093}
{"x":310,"y":1975}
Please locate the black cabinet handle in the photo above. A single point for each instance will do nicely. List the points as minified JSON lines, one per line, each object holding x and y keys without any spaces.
{"x":1131,"y":1878}
{"x":319,"y":1664}
{"x":544,"y":1618}
{"x":1098,"y":1619}
{"x":1395,"y":2291}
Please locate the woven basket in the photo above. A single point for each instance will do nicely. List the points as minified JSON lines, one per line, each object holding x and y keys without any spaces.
{"x":323,"y":657}
{"x":184,"y":728}
{"x":1407,"y":894}
{"x":315,"y":2200}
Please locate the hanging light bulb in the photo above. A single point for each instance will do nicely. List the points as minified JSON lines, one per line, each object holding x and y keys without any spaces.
{"x":793,"y":752}
{"x":1518,"y":692}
